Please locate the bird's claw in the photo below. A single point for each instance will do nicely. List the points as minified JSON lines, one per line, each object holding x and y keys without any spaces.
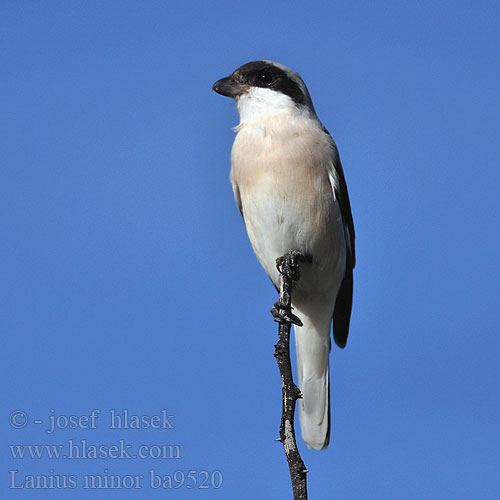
{"x":282,"y":314}
{"x":289,"y":264}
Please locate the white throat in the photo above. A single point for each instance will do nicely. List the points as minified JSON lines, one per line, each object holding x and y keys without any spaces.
{"x":259,"y":103}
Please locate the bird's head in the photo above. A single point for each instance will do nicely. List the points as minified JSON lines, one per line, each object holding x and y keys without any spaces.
{"x":265,"y":87}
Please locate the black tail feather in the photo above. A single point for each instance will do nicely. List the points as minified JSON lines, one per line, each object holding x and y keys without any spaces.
{"x":342,"y":311}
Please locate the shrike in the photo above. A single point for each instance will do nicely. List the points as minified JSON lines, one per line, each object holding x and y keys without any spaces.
{"x":290,"y":188}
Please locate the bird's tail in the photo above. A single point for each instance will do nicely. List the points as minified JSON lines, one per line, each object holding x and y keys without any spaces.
{"x":313,"y":347}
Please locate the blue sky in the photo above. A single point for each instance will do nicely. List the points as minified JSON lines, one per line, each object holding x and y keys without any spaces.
{"x":129,"y":283}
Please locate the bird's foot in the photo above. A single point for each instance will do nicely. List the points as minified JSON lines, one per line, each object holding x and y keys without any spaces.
{"x":283,"y":314}
{"x":288,"y":264}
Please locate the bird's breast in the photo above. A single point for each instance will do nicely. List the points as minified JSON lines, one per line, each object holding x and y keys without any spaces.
{"x":288,"y":203}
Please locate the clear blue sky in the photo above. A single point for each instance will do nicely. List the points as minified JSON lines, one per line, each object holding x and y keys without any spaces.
{"x":128,"y":280}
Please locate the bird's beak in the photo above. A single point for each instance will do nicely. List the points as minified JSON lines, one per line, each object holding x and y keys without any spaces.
{"x":229,"y":87}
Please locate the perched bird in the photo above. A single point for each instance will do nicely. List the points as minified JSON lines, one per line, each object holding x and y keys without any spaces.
{"x":290,"y":188}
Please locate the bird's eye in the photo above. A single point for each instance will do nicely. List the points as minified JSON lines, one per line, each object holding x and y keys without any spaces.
{"x":265,"y":77}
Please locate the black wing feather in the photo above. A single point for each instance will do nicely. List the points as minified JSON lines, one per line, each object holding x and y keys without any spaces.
{"x":343,"y":303}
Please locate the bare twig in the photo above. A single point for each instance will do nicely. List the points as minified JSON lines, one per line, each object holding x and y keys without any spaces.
{"x":288,"y":266}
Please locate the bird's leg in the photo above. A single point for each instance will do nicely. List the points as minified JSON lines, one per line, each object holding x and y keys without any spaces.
{"x":288,"y":267}
{"x":288,"y":264}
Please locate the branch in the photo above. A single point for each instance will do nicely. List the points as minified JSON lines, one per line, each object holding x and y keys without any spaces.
{"x":288,"y":266}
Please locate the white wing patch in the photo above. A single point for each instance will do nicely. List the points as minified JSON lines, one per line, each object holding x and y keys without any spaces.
{"x":334,"y":180}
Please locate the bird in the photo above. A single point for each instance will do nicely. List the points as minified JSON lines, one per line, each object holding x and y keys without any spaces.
{"x":290,"y":188}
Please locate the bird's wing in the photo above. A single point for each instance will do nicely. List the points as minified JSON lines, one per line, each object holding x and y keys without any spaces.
{"x":343,"y":303}
{"x":237,"y":198}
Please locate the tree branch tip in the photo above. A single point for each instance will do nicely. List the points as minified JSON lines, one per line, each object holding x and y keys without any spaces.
{"x":289,"y":268}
